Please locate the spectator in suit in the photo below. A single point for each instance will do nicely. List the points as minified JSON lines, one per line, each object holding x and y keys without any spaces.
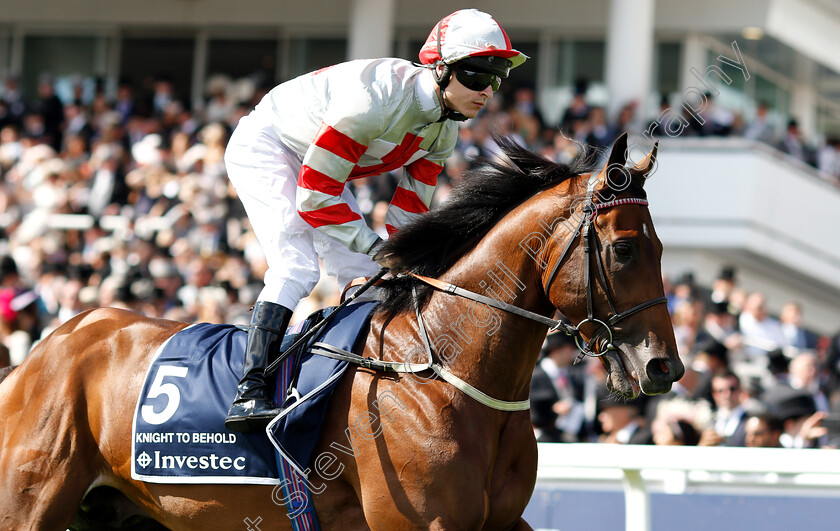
{"x":828,"y":160}
{"x":724,"y":285}
{"x":793,"y":144}
{"x":557,"y":392}
{"x":578,"y":109}
{"x":761,"y":128}
{"x":51,"y":110}
{"x":795,"y":335}
{"x":622,"y":421}
{"x":678,"y":421}
{"x":801,"y":422}
{"x":804,"y":374}
{"x":762,"y":431}
{"x":678,"y":432}
{"x":719,"y":325}
{"x":711,"y":358}
{"x":730,"y":420}
{"x":761,"y":332}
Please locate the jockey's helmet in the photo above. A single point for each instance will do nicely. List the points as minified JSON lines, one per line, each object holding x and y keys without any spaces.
{"x":473,"y":39}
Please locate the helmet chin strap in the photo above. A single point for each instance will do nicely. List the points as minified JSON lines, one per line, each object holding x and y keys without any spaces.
{"x":442,"y":79}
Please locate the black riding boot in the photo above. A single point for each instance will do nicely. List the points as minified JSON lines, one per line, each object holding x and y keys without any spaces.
{"x":252,"y":408}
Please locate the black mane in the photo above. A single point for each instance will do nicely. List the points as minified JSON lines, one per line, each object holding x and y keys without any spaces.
{"x":434,"y":242}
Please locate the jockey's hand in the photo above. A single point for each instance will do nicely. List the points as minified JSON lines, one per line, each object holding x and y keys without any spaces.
{"x":385,"y":260}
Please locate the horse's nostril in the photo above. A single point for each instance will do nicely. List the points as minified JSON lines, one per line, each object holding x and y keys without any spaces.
{"x":657,"y":368}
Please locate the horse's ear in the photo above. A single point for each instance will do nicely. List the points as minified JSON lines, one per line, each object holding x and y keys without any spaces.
{"x":618,"y":155}
{"x":647,"y":164}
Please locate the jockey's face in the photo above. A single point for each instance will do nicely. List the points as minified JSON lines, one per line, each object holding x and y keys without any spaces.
{"x":463,"y":100}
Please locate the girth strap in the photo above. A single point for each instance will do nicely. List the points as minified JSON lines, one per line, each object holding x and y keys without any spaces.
{"x":329,"y":351}
{"x":469,"y":390}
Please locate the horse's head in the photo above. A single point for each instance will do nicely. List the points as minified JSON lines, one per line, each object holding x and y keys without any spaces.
{"x":611,"y":283}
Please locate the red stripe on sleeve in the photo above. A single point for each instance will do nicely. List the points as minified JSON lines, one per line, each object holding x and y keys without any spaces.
{"x":331,"y":215}
{"x":424,"y":171}
{"x":391,"y":229}
{"x":320,"y":182}
{"x":409,"y":201}
{"x":337,"y":142}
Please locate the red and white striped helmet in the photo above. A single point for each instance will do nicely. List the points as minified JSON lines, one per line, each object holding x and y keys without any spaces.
{"x":468,"y":33}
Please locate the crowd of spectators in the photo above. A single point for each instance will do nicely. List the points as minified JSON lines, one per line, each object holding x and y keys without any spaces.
{"x":125,"y":202}
{"x":751,"y":380}
{"x":582,"y":123}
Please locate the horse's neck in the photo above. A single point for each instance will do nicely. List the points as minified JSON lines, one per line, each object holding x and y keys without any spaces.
{"x":492,"y":349}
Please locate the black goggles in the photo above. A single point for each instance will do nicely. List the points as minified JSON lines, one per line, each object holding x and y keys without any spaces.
{"x":477,"y":81}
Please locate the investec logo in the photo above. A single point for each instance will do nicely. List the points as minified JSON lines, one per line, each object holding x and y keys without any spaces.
{"x":191,"y":462}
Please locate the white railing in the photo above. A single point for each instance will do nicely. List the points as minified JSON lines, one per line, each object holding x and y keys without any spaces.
{"x":679,"y":469}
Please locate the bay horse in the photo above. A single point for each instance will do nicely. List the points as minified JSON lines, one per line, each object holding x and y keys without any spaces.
{"x":439,"y":459}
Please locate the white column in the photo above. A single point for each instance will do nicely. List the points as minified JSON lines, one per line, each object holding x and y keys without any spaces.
{"x":114,"y":62}
{"x":284,"y":56}
{"x":371,"y":29}
{"x":199,"y":77}
{"x":16,"y":55}
{"x":694,"y":55}
{"x":629,"y":64}
{"x":5,"y":47}
{"x":803,"y":98}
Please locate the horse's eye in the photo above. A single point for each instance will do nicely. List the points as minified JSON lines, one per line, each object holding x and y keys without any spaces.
{"x":623,"y":250}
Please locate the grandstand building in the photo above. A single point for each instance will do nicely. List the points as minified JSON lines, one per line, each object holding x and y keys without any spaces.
{"x":716,"y":202}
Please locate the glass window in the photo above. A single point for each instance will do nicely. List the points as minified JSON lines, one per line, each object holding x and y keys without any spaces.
{"x":588,"y":61}
{"x":414,"y":49}
{"x":828,"y":122}
{"x":668,"y":57}
{"x":737,"y":81}
{"x":68,"y":60}
{"x":146,"y":60}
{"x":766,"y":91}
{"x":526,"y":73}
{"x":256,"y":59}
{"x":311,"y":54}
{"x":578,"y":61}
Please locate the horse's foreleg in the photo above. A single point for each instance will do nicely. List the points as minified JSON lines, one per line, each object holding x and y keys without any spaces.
{"x":47,"y":455}
{"x":45,"y":470}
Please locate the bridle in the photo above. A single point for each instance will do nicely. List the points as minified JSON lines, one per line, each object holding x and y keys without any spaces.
{"x":586,"y":228}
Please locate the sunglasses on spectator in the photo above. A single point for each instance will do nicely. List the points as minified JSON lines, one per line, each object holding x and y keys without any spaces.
{"x":477,"y":81}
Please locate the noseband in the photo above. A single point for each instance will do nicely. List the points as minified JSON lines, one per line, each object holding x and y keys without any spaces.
{"x":586,"y":228}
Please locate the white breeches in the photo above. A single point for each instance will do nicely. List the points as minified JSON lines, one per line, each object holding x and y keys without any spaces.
{"x":264,"y":173}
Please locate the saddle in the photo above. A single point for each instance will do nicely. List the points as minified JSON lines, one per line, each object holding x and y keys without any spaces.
{"x":178,"y":432}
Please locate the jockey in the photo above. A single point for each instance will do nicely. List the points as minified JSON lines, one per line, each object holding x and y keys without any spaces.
{"x":290,"y":158}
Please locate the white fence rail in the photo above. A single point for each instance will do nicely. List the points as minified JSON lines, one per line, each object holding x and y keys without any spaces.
{"x":639,"y":470}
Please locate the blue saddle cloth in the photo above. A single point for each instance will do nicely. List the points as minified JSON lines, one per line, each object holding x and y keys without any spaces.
{"x":178,"y":432}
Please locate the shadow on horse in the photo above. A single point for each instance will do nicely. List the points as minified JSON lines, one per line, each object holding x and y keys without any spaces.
{"x":530,"y":233}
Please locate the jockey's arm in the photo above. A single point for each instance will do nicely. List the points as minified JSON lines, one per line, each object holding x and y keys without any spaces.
{"x":416,"y":189}
{"x":327,"y":163}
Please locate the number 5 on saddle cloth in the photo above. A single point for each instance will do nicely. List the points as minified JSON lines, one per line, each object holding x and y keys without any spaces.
{"x":179,"y":434}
